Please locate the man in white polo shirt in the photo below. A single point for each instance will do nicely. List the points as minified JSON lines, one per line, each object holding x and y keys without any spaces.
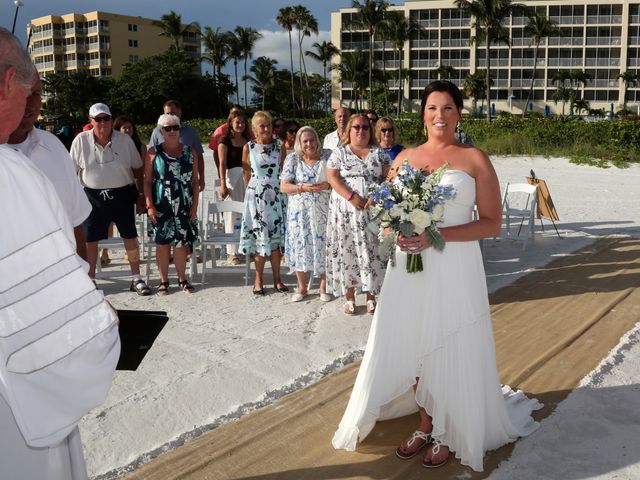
{"x":109,"y":165}
{"x":52,"y":158}
{"x":334,"y":139}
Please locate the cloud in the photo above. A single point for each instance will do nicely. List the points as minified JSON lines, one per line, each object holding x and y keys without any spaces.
{"x":275,"y":44}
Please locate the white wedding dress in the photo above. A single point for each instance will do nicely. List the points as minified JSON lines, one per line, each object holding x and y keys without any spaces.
{"x":435,"y":325}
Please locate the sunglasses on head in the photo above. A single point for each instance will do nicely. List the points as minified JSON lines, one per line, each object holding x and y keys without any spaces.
{"x":104,"y":118}
{"x":357,"y":128}
{"x":386,"y":130}
{"x":171,"y":128}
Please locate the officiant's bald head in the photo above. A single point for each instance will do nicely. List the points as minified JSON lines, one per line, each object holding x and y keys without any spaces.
{"x":16,"y":78}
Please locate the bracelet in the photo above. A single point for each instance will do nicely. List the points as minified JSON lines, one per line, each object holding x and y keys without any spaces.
{"x":350,"y":196}
{"x":149,"y":206}
{"x":300,"y":188}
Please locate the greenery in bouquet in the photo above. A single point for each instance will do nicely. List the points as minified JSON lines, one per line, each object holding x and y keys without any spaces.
{"x":411,"y":203}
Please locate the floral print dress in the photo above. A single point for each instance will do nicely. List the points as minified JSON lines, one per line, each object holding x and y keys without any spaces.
{"x":262,"y":230}
{"x":352,"y":247}
{"x":305,"y":246}
{"x":172,"y":193}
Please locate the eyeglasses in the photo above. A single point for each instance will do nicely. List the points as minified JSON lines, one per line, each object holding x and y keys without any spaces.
{"x":103,"y":119}
{"x":171,"y":128}
{"x":386,"y":130}
{"x":292,"y":130}
{"x":357,"y":128}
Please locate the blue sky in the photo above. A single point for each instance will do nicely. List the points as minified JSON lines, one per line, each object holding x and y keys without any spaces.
{"x":259,"y":14}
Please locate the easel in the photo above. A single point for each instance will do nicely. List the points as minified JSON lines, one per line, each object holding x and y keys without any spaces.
{"x":545,"y":203}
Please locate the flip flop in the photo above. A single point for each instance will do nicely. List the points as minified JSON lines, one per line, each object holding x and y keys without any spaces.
{"x":428,"y":463}
{"x":349,"y":308}
{"x":418,"y":438}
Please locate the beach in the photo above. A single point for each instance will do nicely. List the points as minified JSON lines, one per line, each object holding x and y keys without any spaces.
{"x":226,"y":352}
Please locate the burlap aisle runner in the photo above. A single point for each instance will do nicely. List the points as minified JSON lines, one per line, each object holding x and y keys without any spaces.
{"x":552,"y":327}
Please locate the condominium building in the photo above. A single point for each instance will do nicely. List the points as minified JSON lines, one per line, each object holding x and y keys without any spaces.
{"x":98,"y":42}
{"x":599,"y":37}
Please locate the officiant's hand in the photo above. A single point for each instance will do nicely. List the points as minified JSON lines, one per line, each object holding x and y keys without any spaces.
{"x":414,"y":243}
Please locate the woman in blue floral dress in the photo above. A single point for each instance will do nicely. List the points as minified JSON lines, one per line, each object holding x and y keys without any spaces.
{"x":304,"y":179}
{"x":352,"y":248}
{"x":262,"y":231}
{"x":171,"y":177}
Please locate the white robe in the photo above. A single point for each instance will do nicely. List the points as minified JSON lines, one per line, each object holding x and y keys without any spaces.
{"x":59,"y":341}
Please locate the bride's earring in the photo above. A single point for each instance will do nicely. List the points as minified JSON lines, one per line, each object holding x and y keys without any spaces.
{"x":424,"y":129}
{"x":458,"y":127}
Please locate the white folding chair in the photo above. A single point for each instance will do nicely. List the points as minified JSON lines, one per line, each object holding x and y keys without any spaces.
{"x":213,"y":233}
{"x":519,"y":201}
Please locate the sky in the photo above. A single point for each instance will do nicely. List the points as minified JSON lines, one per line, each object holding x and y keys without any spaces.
{"x":258,"y":14}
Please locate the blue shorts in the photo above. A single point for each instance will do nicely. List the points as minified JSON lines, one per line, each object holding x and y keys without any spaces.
{"x":115,"y":205}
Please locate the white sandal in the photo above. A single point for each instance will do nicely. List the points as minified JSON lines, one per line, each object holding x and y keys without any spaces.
{"x":349,"y":307}
{"x":371,"y":307}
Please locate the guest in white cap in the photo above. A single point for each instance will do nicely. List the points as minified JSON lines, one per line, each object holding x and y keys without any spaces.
{"x":109,"y":166}
{"x":59,"y":340}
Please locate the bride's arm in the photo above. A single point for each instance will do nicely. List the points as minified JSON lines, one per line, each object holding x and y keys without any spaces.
{"x":488,"y":202}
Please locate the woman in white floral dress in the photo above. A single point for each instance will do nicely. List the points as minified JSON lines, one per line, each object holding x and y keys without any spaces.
{"x":304,"y":179}
{"x":262,"y":230}
{"x":352,"y":247}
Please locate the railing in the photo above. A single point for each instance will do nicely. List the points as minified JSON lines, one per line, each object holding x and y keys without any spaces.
{"x":600,"y":82}
{"x":454,"y":42}
{"x":419,"y":83}
{"x":422,"y":63}
{"x":455,"y":62}
{"x":424,"y":43}
{"x":634,"y":40}
{"x":634,"y":18}
{"x":565,"y":40}
{"x":104,"y":28}
{"x":567,"y":20}
{"x":602,"y":62}
{"x":501,"y":82}
{"x":524,"y":41}
{"x":355,"y":45}
{"x":429,"y":23}
{"x":40,"y":34}
{"x":520,"y":20}
{"x":92,"y":30}
{"x":564,"y":62}
{"x":527,"y":62}
{"x":456,"y":22}
{"x":598,"y":19}
{"x":388,"y":64}
{"x":495,"y":62}
{"x":634,"y":62}
{"x":526,"y":82}
{"x":603,"y":41}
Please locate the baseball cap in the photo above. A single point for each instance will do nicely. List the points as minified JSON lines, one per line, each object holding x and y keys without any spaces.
{"x":98,"y":108}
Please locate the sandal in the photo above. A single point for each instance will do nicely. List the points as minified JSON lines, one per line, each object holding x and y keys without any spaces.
{"x":104,"y":261}
{"x":186,"y":286}
{"x":349,"y":307}
{"x":140,"y":287}
{"x":428,"y":462}
{"x":371,"y":307}
{"x":163,"y":289}
{"x":416,"y":442}
{"x":281,"y":287}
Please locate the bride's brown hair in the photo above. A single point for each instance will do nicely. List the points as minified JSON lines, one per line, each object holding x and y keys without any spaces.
{"x":441,"y":86}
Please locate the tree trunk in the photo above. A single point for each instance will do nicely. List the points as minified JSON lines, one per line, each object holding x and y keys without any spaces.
{"x":300,"y":65}
{"x":384,"y":76}
{"x":293,"y":95}
{"x":370,"y":69}
{"x":324,"y":73}
{"x":488,"y":80}
{"x":235,"y":66}
{"x":245,"y":81}
{"x":533,"y":79}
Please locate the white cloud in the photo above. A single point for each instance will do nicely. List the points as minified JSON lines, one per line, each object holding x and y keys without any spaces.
{"x":275,"y":44}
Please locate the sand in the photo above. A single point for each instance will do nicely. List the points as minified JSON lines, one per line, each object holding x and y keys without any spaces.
{"x":226,"y":352}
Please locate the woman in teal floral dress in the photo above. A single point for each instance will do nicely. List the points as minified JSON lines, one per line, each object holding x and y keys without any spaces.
{"x":171,"y":177}
{"x":262,"y":232}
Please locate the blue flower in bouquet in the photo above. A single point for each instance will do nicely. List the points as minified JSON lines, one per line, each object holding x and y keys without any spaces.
{"x":410,"y":204}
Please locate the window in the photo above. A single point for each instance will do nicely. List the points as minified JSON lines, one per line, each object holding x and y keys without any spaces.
{"x":133,"y":58}
{"x":133,"y":43}
{"x":132,"y":27}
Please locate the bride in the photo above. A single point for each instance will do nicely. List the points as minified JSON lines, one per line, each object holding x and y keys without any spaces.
{"x":431,"y":347}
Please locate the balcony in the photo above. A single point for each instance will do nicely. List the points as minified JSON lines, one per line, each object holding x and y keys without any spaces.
{"x":565,"y":62}
{"x":604,"y":19}
{"x":603,"y":83}
{"x":602,"y":62}
{"x":634,"y":62}
{"x":495,"y":62}
{"x":603,"y":41}
{"x":566,"y":40}
{"x":424,"y":63}
{"x":525,"y":42}
{"x":526,"y":82}
{"x":456,"y":22}
{"x":520,"y":20}
{"x":456,"y":62}
{"x":391,"y":64}
{"x":634,"y":40}
{"x":419,"y":83}
{"x":428,"y":23}
{"x":634,"y":19}
{"x":527,"y":62}
{"x":355,"y":46}
{"x":454,"y":42}
{"x":568,"y":20}
{"x":424,"y":43}
{"x":92,"y":30}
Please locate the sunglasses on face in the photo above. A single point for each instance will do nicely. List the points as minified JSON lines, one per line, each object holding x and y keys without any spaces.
{"x":171,"y":128}
{"x":386,"y":130}
{"x":105,"y":118}
{"x":357,"y":128}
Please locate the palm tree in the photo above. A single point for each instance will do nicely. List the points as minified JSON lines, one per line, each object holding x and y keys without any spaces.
{"x":247,"y":38}
{"x":579,"y":105}
{"x":474,"y":86}
{"x":215,"y":43}
{"x":445,"y":71}
{"x":371,"y":18}
{"x":306,"y":24}
{"x":488,"y":21}
{"x":324,"y":53}
{"x":400,"y":30}
{"x":264,"y":76}
{"x":286,"y":20}
{"x":234,"y":52}
{"x":352,"y":68}
{"x":171,"y":26}
{"x":538,"y":28}
{"x":630,"y":79}
{"x":564,"y":95}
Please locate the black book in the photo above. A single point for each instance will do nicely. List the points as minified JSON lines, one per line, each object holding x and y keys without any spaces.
{"x":138,"y":330}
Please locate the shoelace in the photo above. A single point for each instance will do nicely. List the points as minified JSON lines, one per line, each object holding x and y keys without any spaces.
{"x":416,"y":435}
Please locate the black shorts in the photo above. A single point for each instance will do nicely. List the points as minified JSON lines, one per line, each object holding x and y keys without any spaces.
{"x":115,"y":205}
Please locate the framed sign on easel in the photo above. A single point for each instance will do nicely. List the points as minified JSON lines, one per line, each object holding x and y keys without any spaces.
{"x":546,"y":208}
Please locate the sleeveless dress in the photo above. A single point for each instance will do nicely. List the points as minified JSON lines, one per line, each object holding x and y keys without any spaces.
{"x":306,"y":230}
{"x":172,"y":193}
{"x":262,"y":230}
{"x":436,"y":325}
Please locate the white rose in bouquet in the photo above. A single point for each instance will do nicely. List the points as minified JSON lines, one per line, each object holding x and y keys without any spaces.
{"x":438,"y":213}
{"x":420,"y":220}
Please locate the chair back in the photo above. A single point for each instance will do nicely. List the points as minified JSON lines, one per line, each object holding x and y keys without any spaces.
{"x":519,"y":196}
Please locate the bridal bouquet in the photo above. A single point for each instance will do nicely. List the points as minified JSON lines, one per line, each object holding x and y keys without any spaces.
{"x":410,"y":203}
